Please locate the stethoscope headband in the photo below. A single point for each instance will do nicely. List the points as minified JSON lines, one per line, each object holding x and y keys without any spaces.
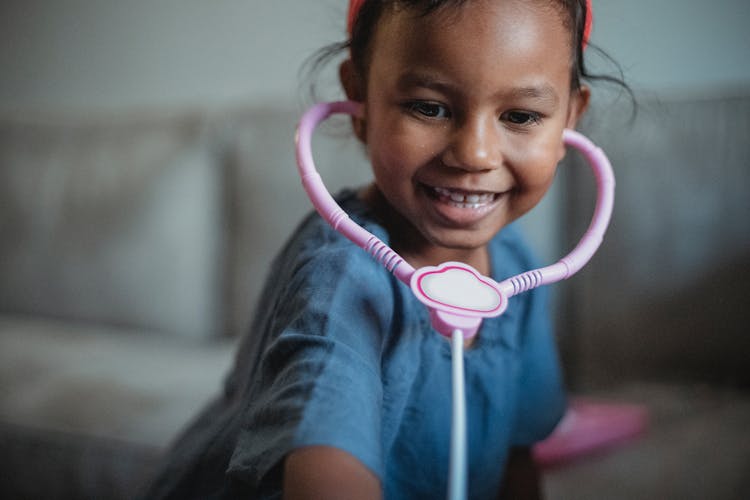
{"x":436,"y":286}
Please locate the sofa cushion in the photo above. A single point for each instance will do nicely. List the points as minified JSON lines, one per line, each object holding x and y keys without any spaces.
{"x":666,"y":294}
{"x":116,"y":222}
{"x":93,"y":407}
{"x":104,"y":381}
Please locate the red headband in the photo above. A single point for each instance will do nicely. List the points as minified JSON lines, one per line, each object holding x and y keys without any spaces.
{"x":355,"y":5}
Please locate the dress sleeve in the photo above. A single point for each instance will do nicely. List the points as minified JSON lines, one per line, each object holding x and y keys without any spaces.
{"x":542,"y":400}
{"x":318,"y":382}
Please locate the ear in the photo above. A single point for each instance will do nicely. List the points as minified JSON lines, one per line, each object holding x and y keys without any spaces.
{"x":579,"y":103}
{"x":353,"y":86}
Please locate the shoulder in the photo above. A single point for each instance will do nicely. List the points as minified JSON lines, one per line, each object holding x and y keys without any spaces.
{"x":323,"y":278}
{"x":317,"y":253}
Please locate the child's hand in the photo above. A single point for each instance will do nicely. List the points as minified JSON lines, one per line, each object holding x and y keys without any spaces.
{"x":323,"y":472}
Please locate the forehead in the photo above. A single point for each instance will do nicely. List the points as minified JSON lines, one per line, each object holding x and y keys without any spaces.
{"x":479,"y":38}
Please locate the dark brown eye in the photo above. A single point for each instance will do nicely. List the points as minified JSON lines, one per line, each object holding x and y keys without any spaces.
{"x":429,"y":109}
{"x":520,"y":117}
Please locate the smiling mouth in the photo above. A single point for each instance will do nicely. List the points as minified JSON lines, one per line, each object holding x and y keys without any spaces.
{"x":465,"y":199}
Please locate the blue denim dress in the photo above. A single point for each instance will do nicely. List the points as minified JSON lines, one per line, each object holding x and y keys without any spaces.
{"x":342,"y":354}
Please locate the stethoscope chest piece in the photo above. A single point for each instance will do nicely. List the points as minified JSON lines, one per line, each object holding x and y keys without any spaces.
{"x":458,"y":297}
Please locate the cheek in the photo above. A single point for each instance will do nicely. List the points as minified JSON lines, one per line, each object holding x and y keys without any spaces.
{"x":387,"y":157}
{"x":401,"y":151}
{"x":536,"y":165}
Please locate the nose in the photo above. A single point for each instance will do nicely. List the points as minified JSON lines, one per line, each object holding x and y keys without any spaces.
{"x":474,"y":145}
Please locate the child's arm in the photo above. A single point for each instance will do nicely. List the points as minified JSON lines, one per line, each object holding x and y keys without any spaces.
{"x":521,"y":479}
{"x":325,"y":472}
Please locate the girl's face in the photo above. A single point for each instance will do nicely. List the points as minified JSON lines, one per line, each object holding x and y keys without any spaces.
{"x":464,"y":114}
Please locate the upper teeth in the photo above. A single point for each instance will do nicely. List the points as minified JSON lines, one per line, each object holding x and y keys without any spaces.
{"x":460,"y":197}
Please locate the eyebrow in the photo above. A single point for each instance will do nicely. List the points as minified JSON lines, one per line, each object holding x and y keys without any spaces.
{"x":411,"y":79}
{"x":541,"y":92}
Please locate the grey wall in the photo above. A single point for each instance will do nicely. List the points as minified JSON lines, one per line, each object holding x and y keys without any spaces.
{"x":108,"y":54}
{"x":677,"y":45}
{"x":89,"y":54}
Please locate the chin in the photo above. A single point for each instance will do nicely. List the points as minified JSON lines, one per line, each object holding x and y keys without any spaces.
{"x":464,"y":241}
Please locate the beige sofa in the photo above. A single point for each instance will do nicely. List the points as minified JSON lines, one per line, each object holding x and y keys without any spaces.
{"x":132,"y":249}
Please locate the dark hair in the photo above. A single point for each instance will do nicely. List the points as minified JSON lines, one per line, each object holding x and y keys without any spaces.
{"x":359,"y":44}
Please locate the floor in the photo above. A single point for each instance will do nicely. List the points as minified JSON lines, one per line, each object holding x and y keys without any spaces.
{"x":697,"y":446}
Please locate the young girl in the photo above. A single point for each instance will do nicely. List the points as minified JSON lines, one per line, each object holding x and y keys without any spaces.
{"x":342,"y":388}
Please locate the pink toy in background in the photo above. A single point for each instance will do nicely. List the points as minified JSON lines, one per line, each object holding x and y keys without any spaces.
{"x":589,"y":427}
{"x":458,"y":297}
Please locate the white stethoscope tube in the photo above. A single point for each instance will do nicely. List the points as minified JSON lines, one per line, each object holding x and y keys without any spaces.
{"x":458,"y":453}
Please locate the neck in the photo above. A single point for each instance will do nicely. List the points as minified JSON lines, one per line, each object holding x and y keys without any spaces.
{"x":409,"y":243}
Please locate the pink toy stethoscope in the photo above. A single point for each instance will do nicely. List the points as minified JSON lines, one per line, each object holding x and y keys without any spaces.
{"x":457,"y":296}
